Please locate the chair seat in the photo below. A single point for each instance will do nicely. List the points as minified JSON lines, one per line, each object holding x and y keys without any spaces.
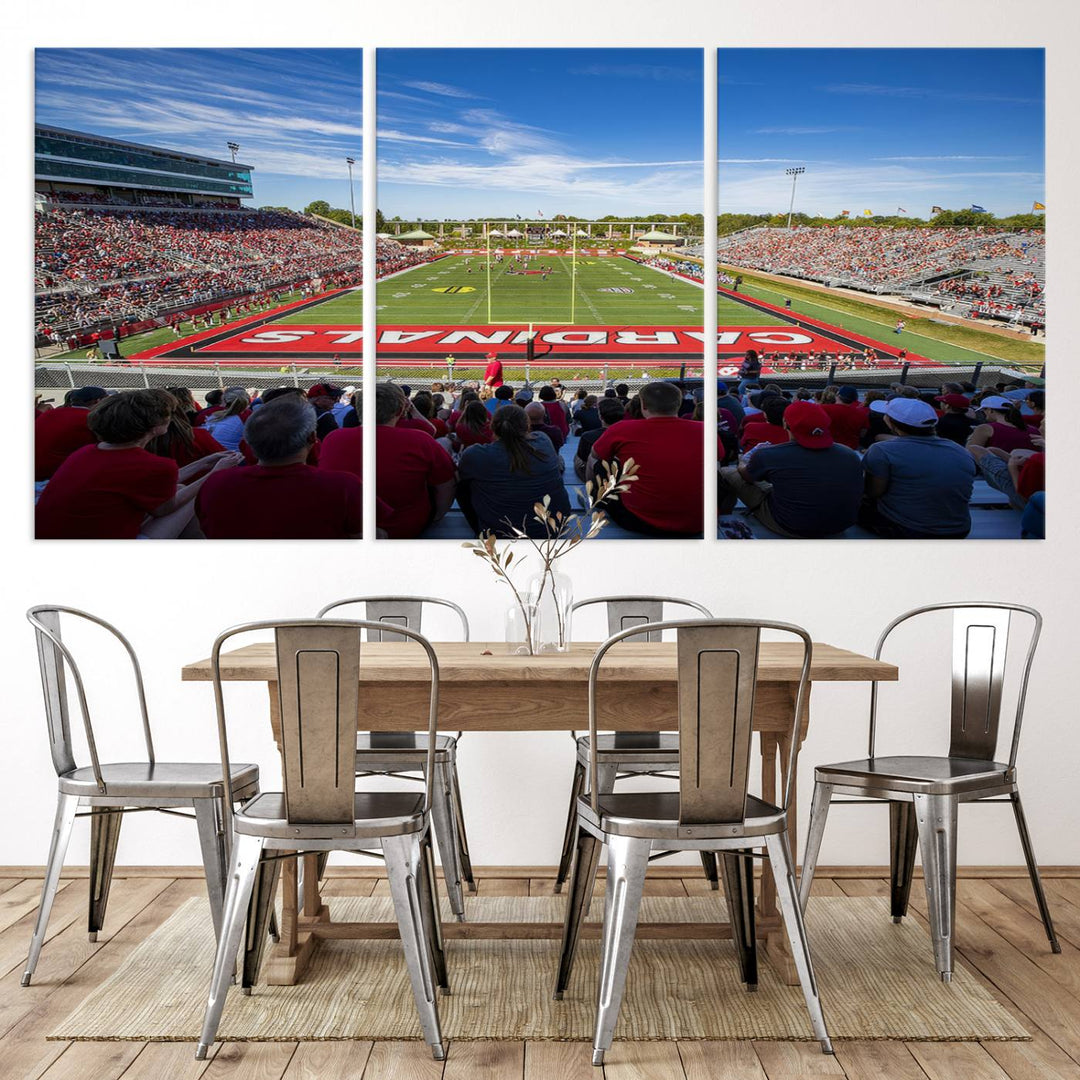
{"x":655,"y":815}
{"x":163,"y":779}
{"x":399,"y":745}
{"x":633,"y":748}
{"x":921,"y":775}
{"x":375,"y":813}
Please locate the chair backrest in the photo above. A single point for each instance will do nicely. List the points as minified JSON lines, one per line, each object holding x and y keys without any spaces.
{"x":717,"y":678}
{"x":624,"y":612}
{"x":980,"y":641}
{"x":318,"y":675}
{"x":55,"y":660}
{"x":404,"y":611}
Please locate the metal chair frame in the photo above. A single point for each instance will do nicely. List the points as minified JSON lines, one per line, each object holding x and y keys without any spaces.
{"x":718,"y":661}
{"x":633,"y":753}
{"x":117,"y":789}
{"x":320,"y":810}
{"x":403,"y":762}
{"x":924,"y":793}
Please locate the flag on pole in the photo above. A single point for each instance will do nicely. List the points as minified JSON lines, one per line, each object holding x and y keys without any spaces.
{"x":868,"y":213}
{"x":1038,"y":206}
{"x":844,"y":213}
{"x":539,"y":213}
{"x":937,"y":210}
{"x":978,"y":209}
{"x":901,"y":210}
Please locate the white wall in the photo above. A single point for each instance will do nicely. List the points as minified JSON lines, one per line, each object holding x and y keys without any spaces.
{"x":173,"y":598}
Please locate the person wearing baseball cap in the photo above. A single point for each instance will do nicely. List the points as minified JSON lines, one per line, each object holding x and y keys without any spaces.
{"x":918,"y":485}
{"x":955,"y":423}
{"x":60,"y":432}
{"x":1004,"y":427}
{"x":493,"y":373}
{"x":810,"y":486}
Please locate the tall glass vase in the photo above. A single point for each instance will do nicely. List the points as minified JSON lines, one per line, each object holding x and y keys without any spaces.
{"x":553,"y":595}
{"x":522,"y":629}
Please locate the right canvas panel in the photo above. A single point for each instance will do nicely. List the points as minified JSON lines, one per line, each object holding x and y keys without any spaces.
{"x":881,"y":293}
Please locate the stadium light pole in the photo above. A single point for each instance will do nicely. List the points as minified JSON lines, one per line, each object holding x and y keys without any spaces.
{"x":233,"y":148}
{"x":794,"y":173}
{"x":352,"y":202}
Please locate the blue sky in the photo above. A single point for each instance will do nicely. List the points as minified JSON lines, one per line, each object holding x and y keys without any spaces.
{"x":475,"y":132}
{"x":296,"y":113}
{"x":881,"y":128}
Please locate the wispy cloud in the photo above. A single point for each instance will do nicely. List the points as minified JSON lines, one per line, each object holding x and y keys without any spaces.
{"x":651,"y":72}
{"x":885,"y":90}
{"x":442,"y":89}
{"x":952,"y":157}
{"x":799,"y":130}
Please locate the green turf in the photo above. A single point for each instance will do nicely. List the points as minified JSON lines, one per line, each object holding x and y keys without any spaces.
{"x":948,"y":343}
{"x":411,"y":299}
{"x":344,"y":310}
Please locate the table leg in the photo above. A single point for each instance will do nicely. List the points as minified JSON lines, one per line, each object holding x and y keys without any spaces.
{"x":776,"y":747}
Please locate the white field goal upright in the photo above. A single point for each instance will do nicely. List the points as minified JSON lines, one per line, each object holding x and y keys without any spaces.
{"x":578,"y":230}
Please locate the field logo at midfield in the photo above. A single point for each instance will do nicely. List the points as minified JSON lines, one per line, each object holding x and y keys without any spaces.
{"x":454,"y":288}
{"x":616,"y":289}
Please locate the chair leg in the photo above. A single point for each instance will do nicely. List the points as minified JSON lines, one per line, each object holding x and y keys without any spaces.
{"x":243,"y":866}
{"x":628,"y":860}
{"x":566,"y":859}
{"x":815,"y":830}
{"x":582,"y":880}
{"x":464,"y":858}
{"x":428,"y":891}
{"x":104,"y":836}
{"x":1033,"y":871}
{"x":606,"y":775}
{"x":712,"y":873}
{"x":259,"y":913}
{"x":903,"y":842}
{"x":739,"y":893}
{"x":214,"y":855}
{"x":442,"y":821}
{"x":403,"y":869}
{"x":66,"y":805}
{"x":936,"y":817}
{"x":787,"y":897}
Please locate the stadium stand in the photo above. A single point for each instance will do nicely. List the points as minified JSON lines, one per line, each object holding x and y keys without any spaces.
{"x":919,"y":264}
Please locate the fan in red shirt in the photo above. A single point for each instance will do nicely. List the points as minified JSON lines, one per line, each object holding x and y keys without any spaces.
{"x":117,"y":489}
{"x":414,"y":475}
{"x":767,"y":426}
{"x":282,"y":498}
{"x":666,"y":499}
{"x":847,"y":418}
{"x":493,"y":373}
{"x":213,"y":405}
{"x":60,"y":432}
{"x":557,"y":416}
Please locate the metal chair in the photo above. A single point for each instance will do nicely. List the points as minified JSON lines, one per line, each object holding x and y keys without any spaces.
{"x":318,"y":663}
{"x":627,"y":753}
{"x":924,"y":793}
{"x":110,"y":790}
{"x":402,"y":754}
{"x":711,"y":811}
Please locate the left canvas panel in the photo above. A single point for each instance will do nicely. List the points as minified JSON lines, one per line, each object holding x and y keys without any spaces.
{"x":197,"y":292}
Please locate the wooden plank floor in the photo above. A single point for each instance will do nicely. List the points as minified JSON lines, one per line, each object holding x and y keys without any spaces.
{"x":998,"y":935}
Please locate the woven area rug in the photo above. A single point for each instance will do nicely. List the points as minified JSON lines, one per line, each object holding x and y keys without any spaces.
{"x":877,"y":981}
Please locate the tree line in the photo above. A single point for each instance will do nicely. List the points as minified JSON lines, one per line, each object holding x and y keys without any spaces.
{"x":729,"y":223}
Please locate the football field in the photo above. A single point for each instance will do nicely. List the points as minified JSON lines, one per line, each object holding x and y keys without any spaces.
{"x":604,"y":291}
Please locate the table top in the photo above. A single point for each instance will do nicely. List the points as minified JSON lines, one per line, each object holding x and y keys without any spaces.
{"x":490,"y":662}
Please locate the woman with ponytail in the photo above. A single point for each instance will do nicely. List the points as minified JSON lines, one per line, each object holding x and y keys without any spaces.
{"x":499,"y":483}
{"x":1004,"y":427}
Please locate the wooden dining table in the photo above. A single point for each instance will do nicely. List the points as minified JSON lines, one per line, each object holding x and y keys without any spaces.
{"x":485,"y":687}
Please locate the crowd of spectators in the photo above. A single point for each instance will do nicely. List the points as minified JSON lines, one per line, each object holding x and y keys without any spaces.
{"x":899,"y":462}
{"x":114,"y":266}
{"x":874,"y":257}
{"x":288,"y":464}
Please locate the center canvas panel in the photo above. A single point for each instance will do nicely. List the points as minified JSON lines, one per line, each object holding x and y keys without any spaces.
{"x":540,"y":295}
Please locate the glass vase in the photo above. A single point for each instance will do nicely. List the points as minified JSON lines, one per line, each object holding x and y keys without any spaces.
{"x":522,"y":626}
{"x":552,"y":594}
